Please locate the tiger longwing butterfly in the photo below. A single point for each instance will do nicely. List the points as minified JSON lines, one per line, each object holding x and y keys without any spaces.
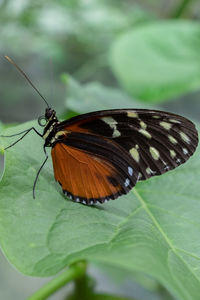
{"x":101,"y":155}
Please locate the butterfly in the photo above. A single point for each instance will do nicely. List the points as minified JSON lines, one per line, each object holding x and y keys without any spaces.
{"x":101,"y":155}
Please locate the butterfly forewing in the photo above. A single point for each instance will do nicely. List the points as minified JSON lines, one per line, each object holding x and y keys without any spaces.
{"x":134,"y":144}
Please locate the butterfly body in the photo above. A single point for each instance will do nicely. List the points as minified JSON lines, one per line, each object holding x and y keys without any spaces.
{"x":101,"y":155}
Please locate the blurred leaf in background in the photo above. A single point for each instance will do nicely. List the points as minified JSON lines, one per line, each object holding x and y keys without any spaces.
{"x":158,"y":61}
{"x":94,"y":96}
{"x":74,"y":33}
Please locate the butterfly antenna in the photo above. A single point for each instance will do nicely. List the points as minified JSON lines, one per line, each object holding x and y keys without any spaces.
{"x":22,"y":72}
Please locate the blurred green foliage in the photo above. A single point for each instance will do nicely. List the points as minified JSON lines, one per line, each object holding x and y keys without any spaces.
{"x":154,"y":68}
{"x":74,"y":33}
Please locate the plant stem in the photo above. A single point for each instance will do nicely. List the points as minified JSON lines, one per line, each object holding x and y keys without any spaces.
{"x":181,"y":8}
{"x":73,"y":272}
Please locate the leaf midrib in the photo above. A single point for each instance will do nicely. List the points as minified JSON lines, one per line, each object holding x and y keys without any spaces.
{"x":197,"y":225}
{"x":173,"y":248}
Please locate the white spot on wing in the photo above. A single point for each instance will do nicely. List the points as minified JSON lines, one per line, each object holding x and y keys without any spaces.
{"x":113,"y":124}
{"x":127,"y":182}
{"x":166,"y":125}
{"x":130,"y":171}
{"x":185,"y":151}
{"x":116,"y":133}
{"x":109,"y":120}
{"x":143,"y":125}
{"x":149,"y":171}
{"x":132,"y":114}
{"x":145,"y":133}
{"x":166,"y":167}
{"x":58,"y":134}
{"x":135,"y":154}
{"x":172,"y":139}
{"x":172,"y":153}
{"x":154,"y":153}
{"x":184,"y":137}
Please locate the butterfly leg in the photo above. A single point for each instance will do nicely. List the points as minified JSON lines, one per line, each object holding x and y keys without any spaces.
{"x":25,"y":133}
{"x":38,"y":173}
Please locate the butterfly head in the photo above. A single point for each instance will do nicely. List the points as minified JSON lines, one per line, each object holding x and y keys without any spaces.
{"x":50,"y":116}
{"x":50,"y":113}
{"x":49,"y":121}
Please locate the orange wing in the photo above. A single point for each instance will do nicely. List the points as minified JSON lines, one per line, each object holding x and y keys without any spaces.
{"x":87,"y":178}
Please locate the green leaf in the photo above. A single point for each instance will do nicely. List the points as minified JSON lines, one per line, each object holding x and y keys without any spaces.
{"x":108,"y":297}
{"x":119,"y":276}
{"x":94,"y":96}
{"x":155,"y":229}
{"x":158,"y":61}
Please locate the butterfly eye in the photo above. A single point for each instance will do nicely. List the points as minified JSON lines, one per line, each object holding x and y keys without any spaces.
{"x":42,"y":121}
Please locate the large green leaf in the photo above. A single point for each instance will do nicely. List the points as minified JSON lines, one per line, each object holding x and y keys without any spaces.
{"x":154,"y":229}
{"x":158,"y":60}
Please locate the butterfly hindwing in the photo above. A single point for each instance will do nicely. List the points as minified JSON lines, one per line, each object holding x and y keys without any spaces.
{"x":91,"y":168}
